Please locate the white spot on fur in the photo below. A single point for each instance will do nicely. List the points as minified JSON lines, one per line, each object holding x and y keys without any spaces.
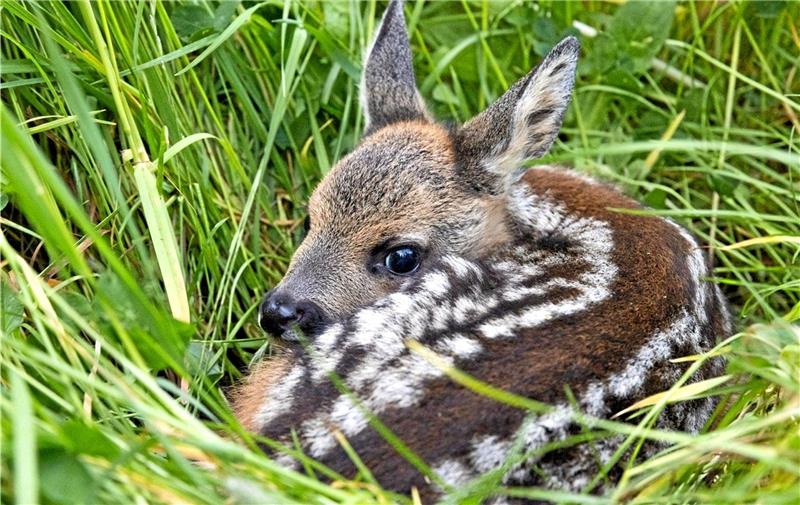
{"x":453,"y":472}
{"x":465,"y":306}
{"x":441,"y":316}
{"x":285,"y":460}
{"x":327,"y":356}
{"x":347,"y":416}
{"x":496,"y":329}
{"x":594,"y":402}
{"x":488,"y":453}
{"x":401,"y":386}
{"x":280,"y":397}
{"x":546,"y":427}
{"x":534,"y":211}
{"x":696,"y":418}
{"x":459,"y":346}
{"x":657,"y":349}
{"x":319,"y":438}
{"x":461,"y":267}
{"x":326,"y":341}
{"x":436,"y":283}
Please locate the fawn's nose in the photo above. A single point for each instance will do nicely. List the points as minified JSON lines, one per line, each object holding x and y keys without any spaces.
{"x":282,"y":316}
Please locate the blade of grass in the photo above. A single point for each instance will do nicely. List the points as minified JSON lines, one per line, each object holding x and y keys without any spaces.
{"x":26,"y":490}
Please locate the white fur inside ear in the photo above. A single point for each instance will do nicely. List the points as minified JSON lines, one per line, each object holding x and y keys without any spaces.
{"x":540,"y":108}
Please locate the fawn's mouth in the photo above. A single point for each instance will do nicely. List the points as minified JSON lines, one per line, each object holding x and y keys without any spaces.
{"x":293,"y":335}
{"x":298,"y":334}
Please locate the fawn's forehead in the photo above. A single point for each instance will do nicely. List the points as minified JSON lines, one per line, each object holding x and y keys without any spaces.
{"x":401,"y":171}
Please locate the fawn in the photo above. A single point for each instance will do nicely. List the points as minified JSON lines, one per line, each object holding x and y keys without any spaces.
{"x":522,"y":278}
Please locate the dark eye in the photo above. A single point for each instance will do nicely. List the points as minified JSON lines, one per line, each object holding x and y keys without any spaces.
{"x":402,"y":260}
{"x":306,"y":224}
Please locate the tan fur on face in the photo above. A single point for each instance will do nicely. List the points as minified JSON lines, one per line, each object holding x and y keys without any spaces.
{"x":400,"y":185}
{"x":495,"y":227}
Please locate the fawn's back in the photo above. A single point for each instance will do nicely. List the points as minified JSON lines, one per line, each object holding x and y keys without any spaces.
{"x":530,"y":280}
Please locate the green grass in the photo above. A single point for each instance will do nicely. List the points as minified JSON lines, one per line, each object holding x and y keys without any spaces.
{"x":156,"y":161}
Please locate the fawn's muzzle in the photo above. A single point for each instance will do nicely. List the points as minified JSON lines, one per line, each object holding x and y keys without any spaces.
{"x":282,"y":316}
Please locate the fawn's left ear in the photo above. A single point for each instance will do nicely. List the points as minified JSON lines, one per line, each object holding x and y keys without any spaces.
{"x":521,"y":124}
{"x":388,"y":88}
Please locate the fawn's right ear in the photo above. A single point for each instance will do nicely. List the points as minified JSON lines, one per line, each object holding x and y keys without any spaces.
{"x":388,"y":88}
{"x":521,"y":124}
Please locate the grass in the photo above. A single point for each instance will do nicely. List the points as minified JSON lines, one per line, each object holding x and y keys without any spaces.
{"x":157,"y":157}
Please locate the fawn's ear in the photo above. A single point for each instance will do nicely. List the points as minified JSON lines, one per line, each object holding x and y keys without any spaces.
{"x":388,"y":89}
{"x":521,"y":124}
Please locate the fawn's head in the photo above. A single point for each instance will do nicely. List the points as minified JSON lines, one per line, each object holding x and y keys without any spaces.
{"x":413,"y":190}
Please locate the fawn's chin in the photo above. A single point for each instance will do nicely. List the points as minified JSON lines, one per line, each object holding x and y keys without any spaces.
{"x":297,"y":335}
{"x":293,"y":335}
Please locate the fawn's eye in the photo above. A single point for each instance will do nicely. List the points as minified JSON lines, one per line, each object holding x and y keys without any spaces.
{"x":402,"y":260}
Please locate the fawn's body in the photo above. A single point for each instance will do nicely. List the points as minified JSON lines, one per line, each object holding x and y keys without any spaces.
{"x":581,"y":297}
{"x":527,"y":280}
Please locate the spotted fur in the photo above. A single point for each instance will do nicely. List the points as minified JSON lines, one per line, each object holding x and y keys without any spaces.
{"x":530,"y":283}
{"x":601,"y":313}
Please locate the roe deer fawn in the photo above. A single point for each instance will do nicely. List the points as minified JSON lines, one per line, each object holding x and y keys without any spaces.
{"x":522,"y":278}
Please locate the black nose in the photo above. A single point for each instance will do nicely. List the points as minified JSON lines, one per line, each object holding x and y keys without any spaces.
{"x":282,"y":316}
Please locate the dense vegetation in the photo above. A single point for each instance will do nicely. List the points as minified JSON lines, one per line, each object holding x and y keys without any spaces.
{"x":156,"y":159}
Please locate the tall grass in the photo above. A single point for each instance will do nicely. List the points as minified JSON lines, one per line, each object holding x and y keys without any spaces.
{"x":156,"y":161}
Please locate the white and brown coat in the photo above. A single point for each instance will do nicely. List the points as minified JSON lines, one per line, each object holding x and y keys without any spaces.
{"x":541,"y":287}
